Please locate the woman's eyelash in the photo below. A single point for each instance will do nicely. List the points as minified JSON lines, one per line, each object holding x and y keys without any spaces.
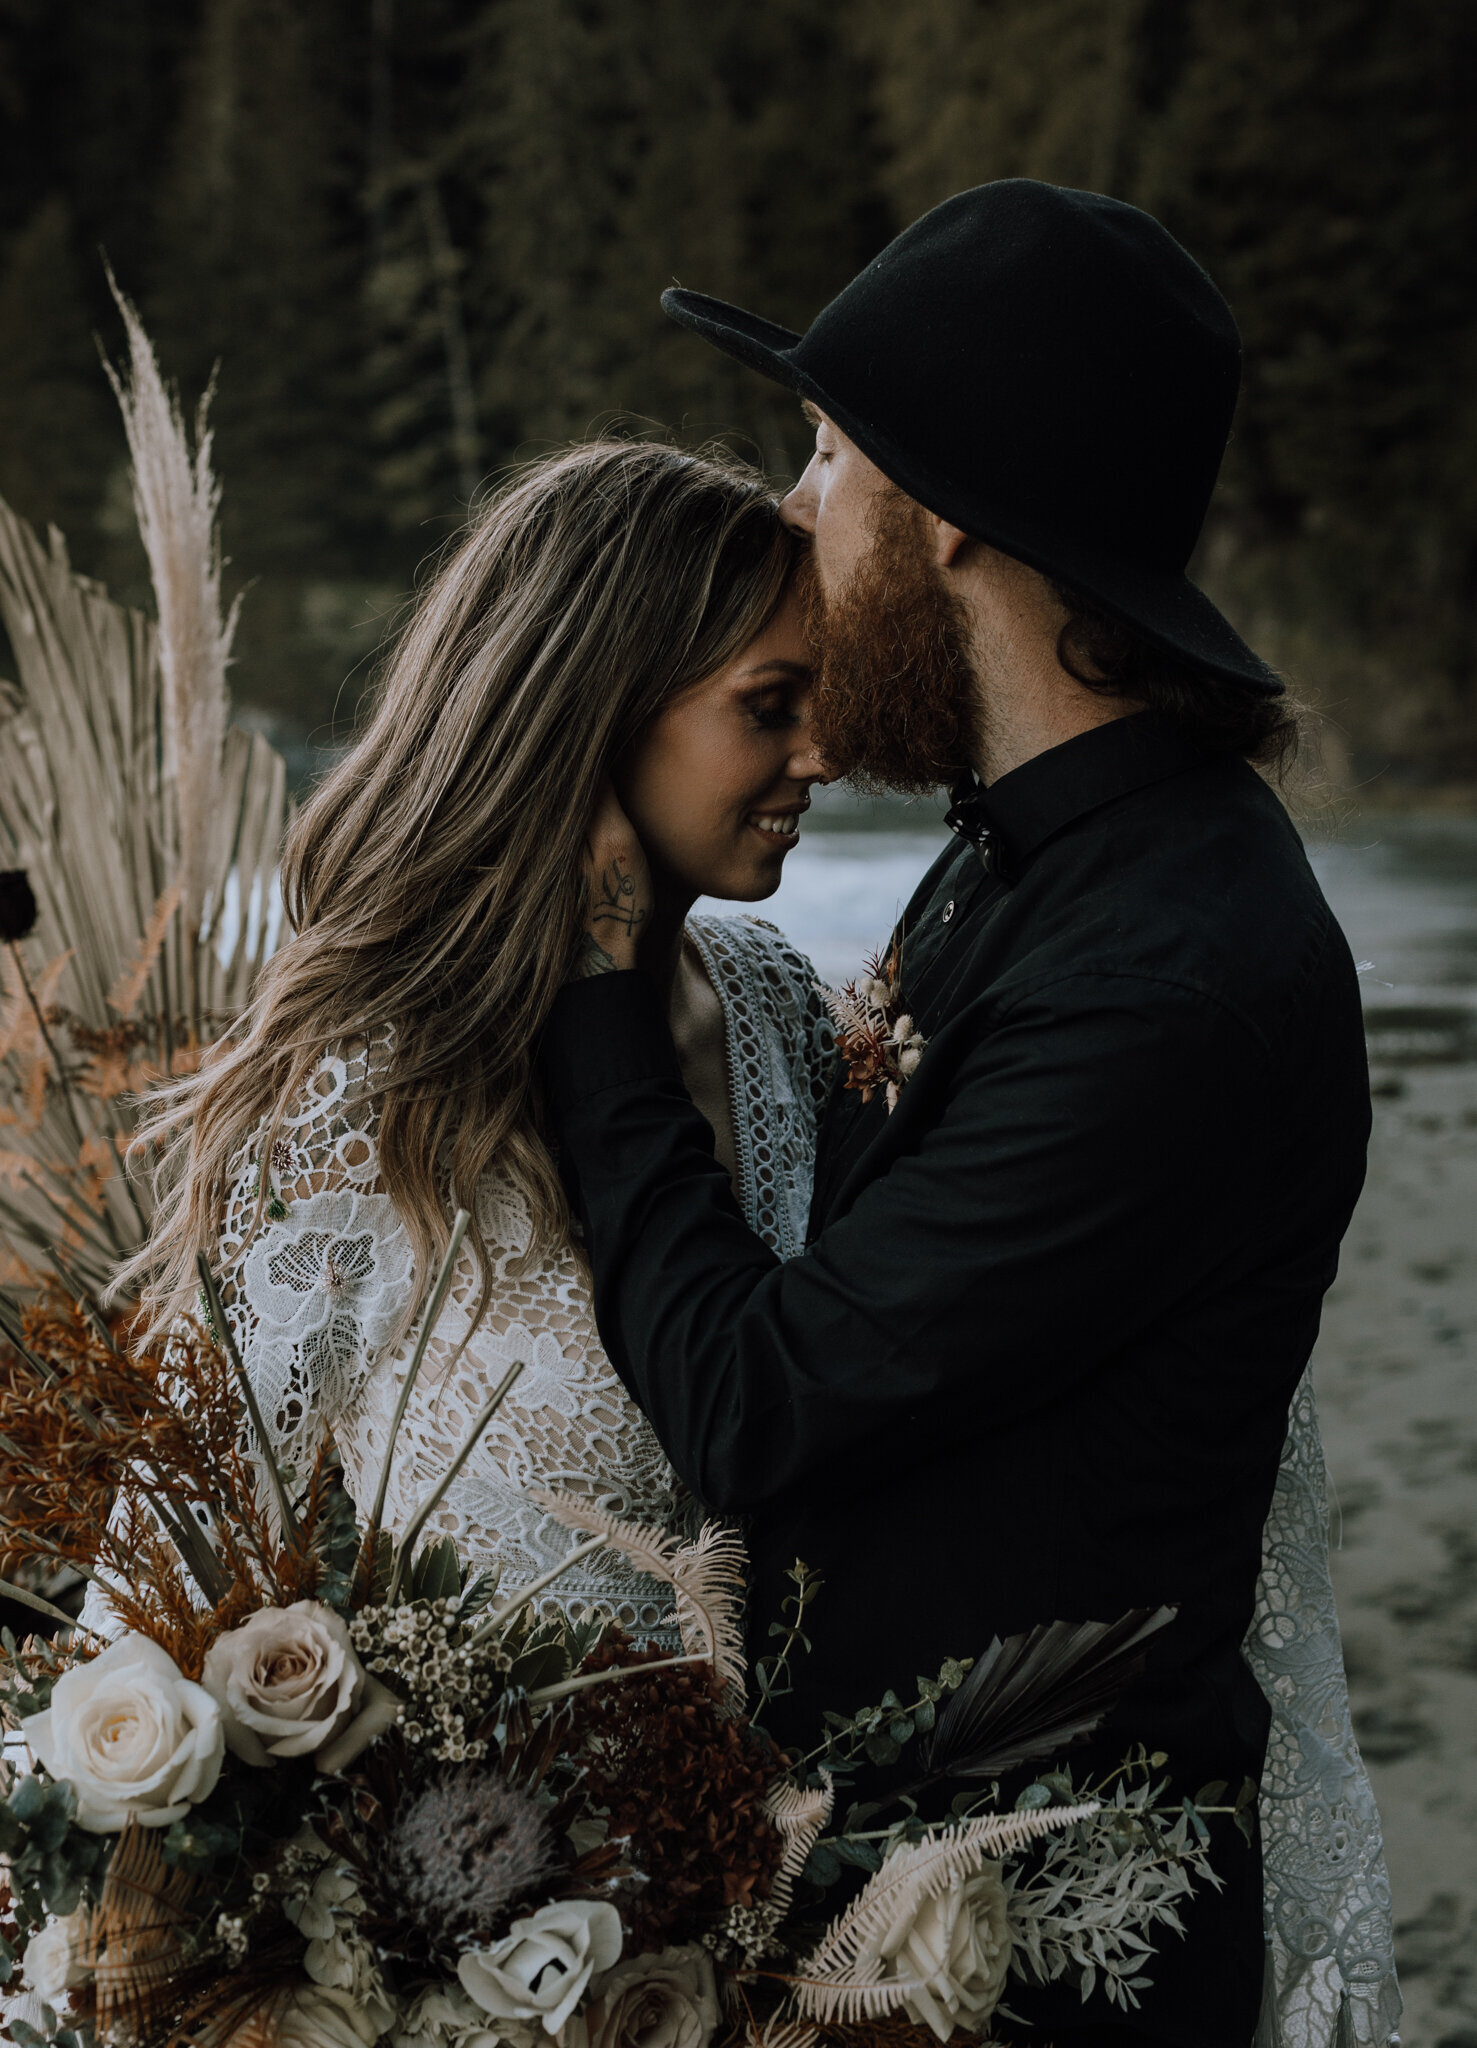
{"x":770,"y":717}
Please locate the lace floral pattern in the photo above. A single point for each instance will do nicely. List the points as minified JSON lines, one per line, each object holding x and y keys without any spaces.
{"x":316,"y":1296}
{"x":1330,"y":1936}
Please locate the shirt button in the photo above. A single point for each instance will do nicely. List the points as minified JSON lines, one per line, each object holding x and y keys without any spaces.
{"x":948,"y":910}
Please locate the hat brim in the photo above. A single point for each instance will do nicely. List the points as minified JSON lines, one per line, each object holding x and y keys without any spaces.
{"x":1167,"y":608}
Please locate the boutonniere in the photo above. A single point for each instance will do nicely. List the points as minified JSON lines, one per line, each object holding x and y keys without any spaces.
{"x":874,"y":1033}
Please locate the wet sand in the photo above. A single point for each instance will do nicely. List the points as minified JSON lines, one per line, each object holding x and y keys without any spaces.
{"x":1396,"y":1373}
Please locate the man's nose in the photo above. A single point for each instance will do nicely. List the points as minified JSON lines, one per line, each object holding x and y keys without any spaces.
{"x":798,"y":506}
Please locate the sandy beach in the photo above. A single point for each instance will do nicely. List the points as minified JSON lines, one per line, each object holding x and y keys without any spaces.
{"x":1396,"y":1374}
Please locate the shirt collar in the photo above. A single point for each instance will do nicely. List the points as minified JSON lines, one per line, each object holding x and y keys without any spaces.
{"x":1015,"y":816}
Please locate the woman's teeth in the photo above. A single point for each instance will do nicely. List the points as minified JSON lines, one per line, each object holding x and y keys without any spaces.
{"x":785,"y":827}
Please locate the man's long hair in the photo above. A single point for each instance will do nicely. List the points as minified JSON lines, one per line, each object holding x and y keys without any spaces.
{"x":434,"y":880}
{"x":1106,"y":655}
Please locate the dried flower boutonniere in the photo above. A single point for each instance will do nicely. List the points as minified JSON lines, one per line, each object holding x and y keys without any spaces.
{"x":874,"y":1033}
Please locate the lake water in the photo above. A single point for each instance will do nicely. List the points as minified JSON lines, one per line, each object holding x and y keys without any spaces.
{"x":1403,"y":888}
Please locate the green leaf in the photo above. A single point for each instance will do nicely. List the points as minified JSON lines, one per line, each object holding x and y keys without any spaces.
{"x":436,"y":1573}
{"x":924,"y":1717}
{"x":881,"y":1749}
{"x":1033,"y":1799}
{"x":900,"y":1728}
{"x":28,"y":1798}
{"x":1211,"y":1794}
{"x":864,"y":1855}
{"x":821,"y":1868}
{"x":1159,"y":1759}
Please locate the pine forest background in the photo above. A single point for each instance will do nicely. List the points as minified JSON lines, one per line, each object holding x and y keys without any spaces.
{"x":422,"y":239}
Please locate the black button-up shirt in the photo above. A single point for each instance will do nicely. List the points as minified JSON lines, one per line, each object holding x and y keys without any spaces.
{"x":1037,"y":1357}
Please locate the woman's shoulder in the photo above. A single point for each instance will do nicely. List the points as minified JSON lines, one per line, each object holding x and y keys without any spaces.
{"x":769,"y":990}
{"x":326,"y":1137}
{"x":751,"y":945}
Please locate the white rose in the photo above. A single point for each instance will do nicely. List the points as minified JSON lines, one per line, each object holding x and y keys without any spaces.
{"x":315,"y":2016}
{"x":540,"y":1968}
{"x":287,"y":1681}
{"x":53,"y":1961}
{"x":137,"y":1739}
{"x":958,"y":1945}
{"x":655,"y":2001}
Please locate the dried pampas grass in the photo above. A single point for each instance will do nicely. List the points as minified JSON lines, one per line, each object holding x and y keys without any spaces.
{"x":149,"y":833}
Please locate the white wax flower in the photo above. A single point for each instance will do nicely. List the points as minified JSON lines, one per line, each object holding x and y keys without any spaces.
{"x":542,"y":1966}
{"x":137,"y":1739}
{"x":287,"y":1681}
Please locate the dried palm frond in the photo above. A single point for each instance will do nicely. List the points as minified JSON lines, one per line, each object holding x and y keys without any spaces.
{"x":798,"y":1812}
{"x":706,"y":1575}
{"x":1036,"y":1694}
{"x":842,"y":1979}
{"x":153,"y":867}
{"x":134,"y":1935}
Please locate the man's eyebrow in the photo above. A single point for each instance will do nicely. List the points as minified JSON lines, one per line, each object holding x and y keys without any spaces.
{"x":813,"y":413}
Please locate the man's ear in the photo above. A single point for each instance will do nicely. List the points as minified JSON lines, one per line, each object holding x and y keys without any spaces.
{"x":949,"y":541}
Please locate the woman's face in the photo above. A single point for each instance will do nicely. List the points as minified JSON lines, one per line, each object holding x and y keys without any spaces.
{"x":716,"y":784}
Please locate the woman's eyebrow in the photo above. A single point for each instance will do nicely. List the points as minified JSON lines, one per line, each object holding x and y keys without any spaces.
{"x":798,"y":669}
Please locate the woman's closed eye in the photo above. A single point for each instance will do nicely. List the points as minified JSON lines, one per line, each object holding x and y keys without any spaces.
{"x":773,"y":710}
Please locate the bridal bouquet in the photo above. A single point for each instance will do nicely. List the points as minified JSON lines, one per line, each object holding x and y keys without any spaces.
{"x":328,"y":1787}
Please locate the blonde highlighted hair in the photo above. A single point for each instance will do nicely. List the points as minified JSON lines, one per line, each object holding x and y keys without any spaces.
{"x":433,"y":880}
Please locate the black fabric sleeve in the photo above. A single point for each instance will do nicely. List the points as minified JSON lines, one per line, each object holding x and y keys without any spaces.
{"x":1035,"y":1224}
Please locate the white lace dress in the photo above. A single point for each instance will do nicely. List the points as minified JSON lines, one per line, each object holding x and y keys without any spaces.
{"x":315,"y":1297}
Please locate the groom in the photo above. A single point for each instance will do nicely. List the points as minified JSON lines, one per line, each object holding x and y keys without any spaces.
{"x":1037,"y":1358}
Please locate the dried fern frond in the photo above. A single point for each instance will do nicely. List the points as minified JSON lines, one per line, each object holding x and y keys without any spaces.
{"x":706,"y":1575}
{"x":798,"y":1812}
{"x":842,"y":1978}
{"x":123,"y":996}
{"x":709,"y":1575}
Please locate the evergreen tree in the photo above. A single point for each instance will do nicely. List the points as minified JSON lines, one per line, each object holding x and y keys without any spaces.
{"x":58,"y":435}
{"x":257,"y":263}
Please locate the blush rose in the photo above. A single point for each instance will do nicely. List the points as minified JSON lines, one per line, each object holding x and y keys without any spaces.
{"x":287,"y":1682}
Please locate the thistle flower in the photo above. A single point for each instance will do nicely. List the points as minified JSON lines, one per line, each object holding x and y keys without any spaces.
{"x":17,"y":906}
{"x":463,"y":1850}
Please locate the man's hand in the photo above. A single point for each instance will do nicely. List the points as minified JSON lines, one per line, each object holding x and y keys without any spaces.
{"x":618,"y":899}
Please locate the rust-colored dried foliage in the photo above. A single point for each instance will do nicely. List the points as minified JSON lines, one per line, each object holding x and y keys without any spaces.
{"x":683,"y":1782}
{"x":92,"y":1451}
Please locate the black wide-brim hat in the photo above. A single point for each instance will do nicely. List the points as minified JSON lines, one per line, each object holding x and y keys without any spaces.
{"x":1047,"y":370}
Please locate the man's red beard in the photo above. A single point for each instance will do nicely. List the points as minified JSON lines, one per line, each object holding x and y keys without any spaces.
{"x":894,"y":703}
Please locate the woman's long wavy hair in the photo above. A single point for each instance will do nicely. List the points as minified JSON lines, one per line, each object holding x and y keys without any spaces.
{"x":434,"y":880}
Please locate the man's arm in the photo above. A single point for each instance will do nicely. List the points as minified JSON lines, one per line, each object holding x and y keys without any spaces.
{"x":1077,"y":1169}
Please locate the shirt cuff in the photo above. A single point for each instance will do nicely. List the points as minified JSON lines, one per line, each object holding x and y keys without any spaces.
{"x":605,"y":1032}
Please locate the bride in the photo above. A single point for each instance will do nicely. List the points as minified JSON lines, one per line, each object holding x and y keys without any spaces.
{"x":618,"y":606}
{"x":626,"y":609}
